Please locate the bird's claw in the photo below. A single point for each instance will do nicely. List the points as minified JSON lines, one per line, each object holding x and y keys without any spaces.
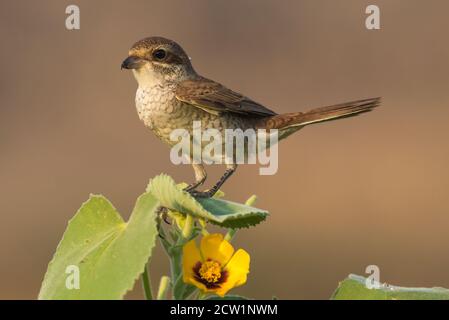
{"x":201,"y":194}
{"x":189,"y":188}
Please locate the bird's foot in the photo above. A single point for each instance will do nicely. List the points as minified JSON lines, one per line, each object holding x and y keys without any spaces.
{"x":191,"y":187}
{"x":202,"y":194}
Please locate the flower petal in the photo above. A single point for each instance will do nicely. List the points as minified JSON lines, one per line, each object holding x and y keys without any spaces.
{"x":192,"y":281}
{"x":237,"y":268}
{"x":214,"y":247}
{"x":190,"y":257}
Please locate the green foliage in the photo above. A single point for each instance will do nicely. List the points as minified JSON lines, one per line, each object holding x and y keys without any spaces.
{"x":354,"y":288}
{"x":217,"y":211}
{"x":181,"y":290}
{"x":110,"y":253}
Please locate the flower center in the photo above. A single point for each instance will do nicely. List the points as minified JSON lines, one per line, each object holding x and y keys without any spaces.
{"x":210,"y":271}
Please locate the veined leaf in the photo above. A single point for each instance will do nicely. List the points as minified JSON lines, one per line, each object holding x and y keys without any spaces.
{"x":218,"y":211}
{"x":109,"y":253}
{"x":354,"y":288}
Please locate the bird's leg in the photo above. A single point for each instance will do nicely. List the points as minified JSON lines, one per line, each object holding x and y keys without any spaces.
{"x":209,"y":193}
{"x":200,"y":177}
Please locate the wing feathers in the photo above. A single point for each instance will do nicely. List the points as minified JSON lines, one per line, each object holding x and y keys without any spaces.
{"x":214,"y":97}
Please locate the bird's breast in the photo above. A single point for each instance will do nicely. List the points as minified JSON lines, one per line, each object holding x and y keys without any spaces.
{"x":153,"y":104}
{"x":160,"y":111}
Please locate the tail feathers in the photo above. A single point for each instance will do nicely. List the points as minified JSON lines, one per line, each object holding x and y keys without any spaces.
{"x":338,"y":111}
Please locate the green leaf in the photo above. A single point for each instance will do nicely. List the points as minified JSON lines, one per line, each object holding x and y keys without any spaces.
{"x":179,"y":288}
{"x":110,"y":253}
{"x":189,"y":291}
{"x":221,"y":212}
{"x":354,"y":288}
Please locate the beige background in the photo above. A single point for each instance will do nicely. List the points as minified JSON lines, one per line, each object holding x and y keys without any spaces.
{"x":361,"y":191}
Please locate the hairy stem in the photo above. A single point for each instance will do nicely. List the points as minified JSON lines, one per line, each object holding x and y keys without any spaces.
{"x":146,"y":284}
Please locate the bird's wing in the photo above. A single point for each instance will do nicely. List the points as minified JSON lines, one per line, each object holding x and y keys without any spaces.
{"x":216,"y":98}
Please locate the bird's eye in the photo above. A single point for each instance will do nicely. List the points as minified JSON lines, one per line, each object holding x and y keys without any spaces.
{"x":159,"y":54}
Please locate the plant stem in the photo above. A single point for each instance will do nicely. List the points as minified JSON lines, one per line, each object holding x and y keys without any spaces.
{"x":175,"y":262}
{"x":230,"y":235}
{"x":146,"y":284}
{"x":203,"y":225}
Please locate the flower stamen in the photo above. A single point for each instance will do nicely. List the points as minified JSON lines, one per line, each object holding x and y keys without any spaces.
{"x":210,"y":271}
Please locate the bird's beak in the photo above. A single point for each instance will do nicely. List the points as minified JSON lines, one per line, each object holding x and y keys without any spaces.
{"x":132,"y":62}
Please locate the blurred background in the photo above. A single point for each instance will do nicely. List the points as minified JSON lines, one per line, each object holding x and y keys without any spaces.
{"x":348,"y":194}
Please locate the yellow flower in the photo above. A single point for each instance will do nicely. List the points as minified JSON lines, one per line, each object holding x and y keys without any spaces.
{"x":214,"y":267}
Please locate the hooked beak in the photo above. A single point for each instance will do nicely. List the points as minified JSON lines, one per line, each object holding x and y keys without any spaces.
{"x":132,"y":62}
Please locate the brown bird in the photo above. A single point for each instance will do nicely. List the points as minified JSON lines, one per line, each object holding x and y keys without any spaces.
{"x":171,"y":95}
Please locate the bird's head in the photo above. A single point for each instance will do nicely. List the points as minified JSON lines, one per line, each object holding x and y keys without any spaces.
{"x":157,"y":60}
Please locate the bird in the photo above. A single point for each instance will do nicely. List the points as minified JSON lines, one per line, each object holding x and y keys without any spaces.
{"x":171,"y":95}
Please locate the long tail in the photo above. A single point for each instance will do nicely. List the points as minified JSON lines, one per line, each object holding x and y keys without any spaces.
{"x":299,"y":119}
